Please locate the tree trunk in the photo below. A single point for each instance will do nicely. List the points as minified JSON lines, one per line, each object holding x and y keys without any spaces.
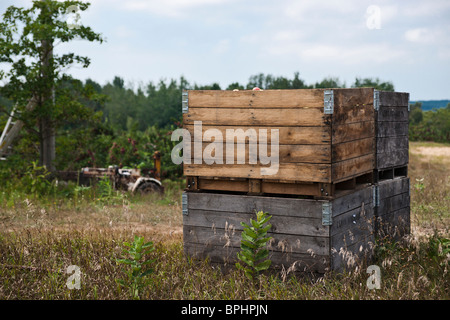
{"x":46,"y":124}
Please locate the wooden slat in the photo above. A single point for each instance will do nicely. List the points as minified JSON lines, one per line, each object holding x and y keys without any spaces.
{"x":352,"y":167}
{"x":353,"y":105}
{"x":279,"y":242}
{"x":394,"y":225}
{"x":389,"y":188}
{"x":392,"y":128}
{"x":286,"y":135}
{"x":286,"y":171}
{"x":227,"y":255}
{"x":311,"y":98}
{"x":248,"y":204}
{"x":397,"y":157}
{"x":223,"y":185}
{"x":286,"y":154}
{"x":352,"y":201}
{"x":291,"y":188}
{"x":394,"y":99}
{"x":393,"y":114}
{"x":353,"y":131}
{"x":257,"y":117}
{"x":357,"y":254}
{"x":280,"y":224}
{"x":393,"y":203}
{"x":353,"y":149}
{"x":389,"y":144}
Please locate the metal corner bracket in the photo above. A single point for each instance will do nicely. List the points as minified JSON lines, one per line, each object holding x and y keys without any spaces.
{"x":376,"y":196}
{"x":185,"y":102}
{"x":184,"y":204}
{"x":328,"y":102}
{"x":327,"y":209}
{"x":376,"y":100}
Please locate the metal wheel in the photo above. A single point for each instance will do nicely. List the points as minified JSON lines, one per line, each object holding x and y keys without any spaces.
{"x":148,"y":186}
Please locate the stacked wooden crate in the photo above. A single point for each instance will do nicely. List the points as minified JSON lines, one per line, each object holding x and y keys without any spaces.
{"x":391,"y":184}
{"x":327,"y":155}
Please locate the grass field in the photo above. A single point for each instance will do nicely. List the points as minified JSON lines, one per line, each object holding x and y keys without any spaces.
{"x":41,"y":237}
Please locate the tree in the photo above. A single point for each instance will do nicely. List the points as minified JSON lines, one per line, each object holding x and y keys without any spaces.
{"x":373,"y":83}
{"x":329,"y":83}
{"x":27,"y":40}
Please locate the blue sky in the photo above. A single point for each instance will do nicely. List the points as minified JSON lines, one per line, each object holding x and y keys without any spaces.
{"x":224,"y":41}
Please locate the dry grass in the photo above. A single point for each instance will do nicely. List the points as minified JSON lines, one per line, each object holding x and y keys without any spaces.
{"x":40,"y":239}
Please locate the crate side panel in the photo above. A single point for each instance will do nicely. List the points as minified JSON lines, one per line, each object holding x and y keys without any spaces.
{"x":346,"y":169}
{"x":244,"y":204}
{"x":395,"y":158}
{"x":227,"y":256}
{"x":216,"y":153}
{"x":280,"y":224}
{"x":284,"y":171}
{"x":353,"y":105}
{"x":231,"y":237}
{"x":393,"y":212}
{"x":316,"y":135}
{"x":274,"y":117}
{"x":212,"y":228}
{"x":353,"y":131}
{"x":352,"y":231}
{"x":394,"y":99}
{"x":353,"y":149}
{"x":300,"y":98}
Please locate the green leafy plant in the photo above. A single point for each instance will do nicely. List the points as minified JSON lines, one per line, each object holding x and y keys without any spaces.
{"x":106,"y":192}
{"x":137,"y":272}
{"x":35,"y":180}
{"x":253,"y":252}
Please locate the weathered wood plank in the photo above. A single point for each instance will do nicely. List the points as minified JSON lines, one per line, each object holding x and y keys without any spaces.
{"x":392,"y":128}
{"x":353,"y":97}
{"x":389,"y":144}
{"x":360,"y":218}
{"x":394,"y":224}
{"x":223,"y":185}
{"x":280,"y":224}
{"x":310,"y":98}
{"x":352,"y":149}
{"x":394,"y":158}
{"x":353,"y":105}
{"x":393,"y":114}
{"x":279,"y":242}
{"x":394,"y":203}
{"x":394,"y":99}
{"x":286,"y":171}
{"x":353,"y":131}
{"x":346,"y":169}
{"x":347,"y":258}
{"x":291,"y":188}
{"x":392,"y":187}
{"x":250,"y":204}
{"x":286,"y":135}
{"x":257,"y":117}
{"x":242,"y":152}
{"x":227,"y":255}
{"x":352,"y":201}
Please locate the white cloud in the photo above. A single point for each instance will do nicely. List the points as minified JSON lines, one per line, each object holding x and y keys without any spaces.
{"x":170,"y":8}
{"x":222,"y":46}
{"x":422,"y":35}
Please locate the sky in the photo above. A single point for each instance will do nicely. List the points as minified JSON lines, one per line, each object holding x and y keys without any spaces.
{"x":406,"y":42}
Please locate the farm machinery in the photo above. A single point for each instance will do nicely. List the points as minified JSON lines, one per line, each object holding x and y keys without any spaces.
{"x":133,"y":180}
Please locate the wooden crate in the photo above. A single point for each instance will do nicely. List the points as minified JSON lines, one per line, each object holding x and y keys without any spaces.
{"x":391,"y":126}
{"x":326,"y":139}
{"x":311,"y":235}
{"x":392,"y":208}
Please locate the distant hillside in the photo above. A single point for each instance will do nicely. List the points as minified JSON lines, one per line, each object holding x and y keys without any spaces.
{"x":431,"y":104}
